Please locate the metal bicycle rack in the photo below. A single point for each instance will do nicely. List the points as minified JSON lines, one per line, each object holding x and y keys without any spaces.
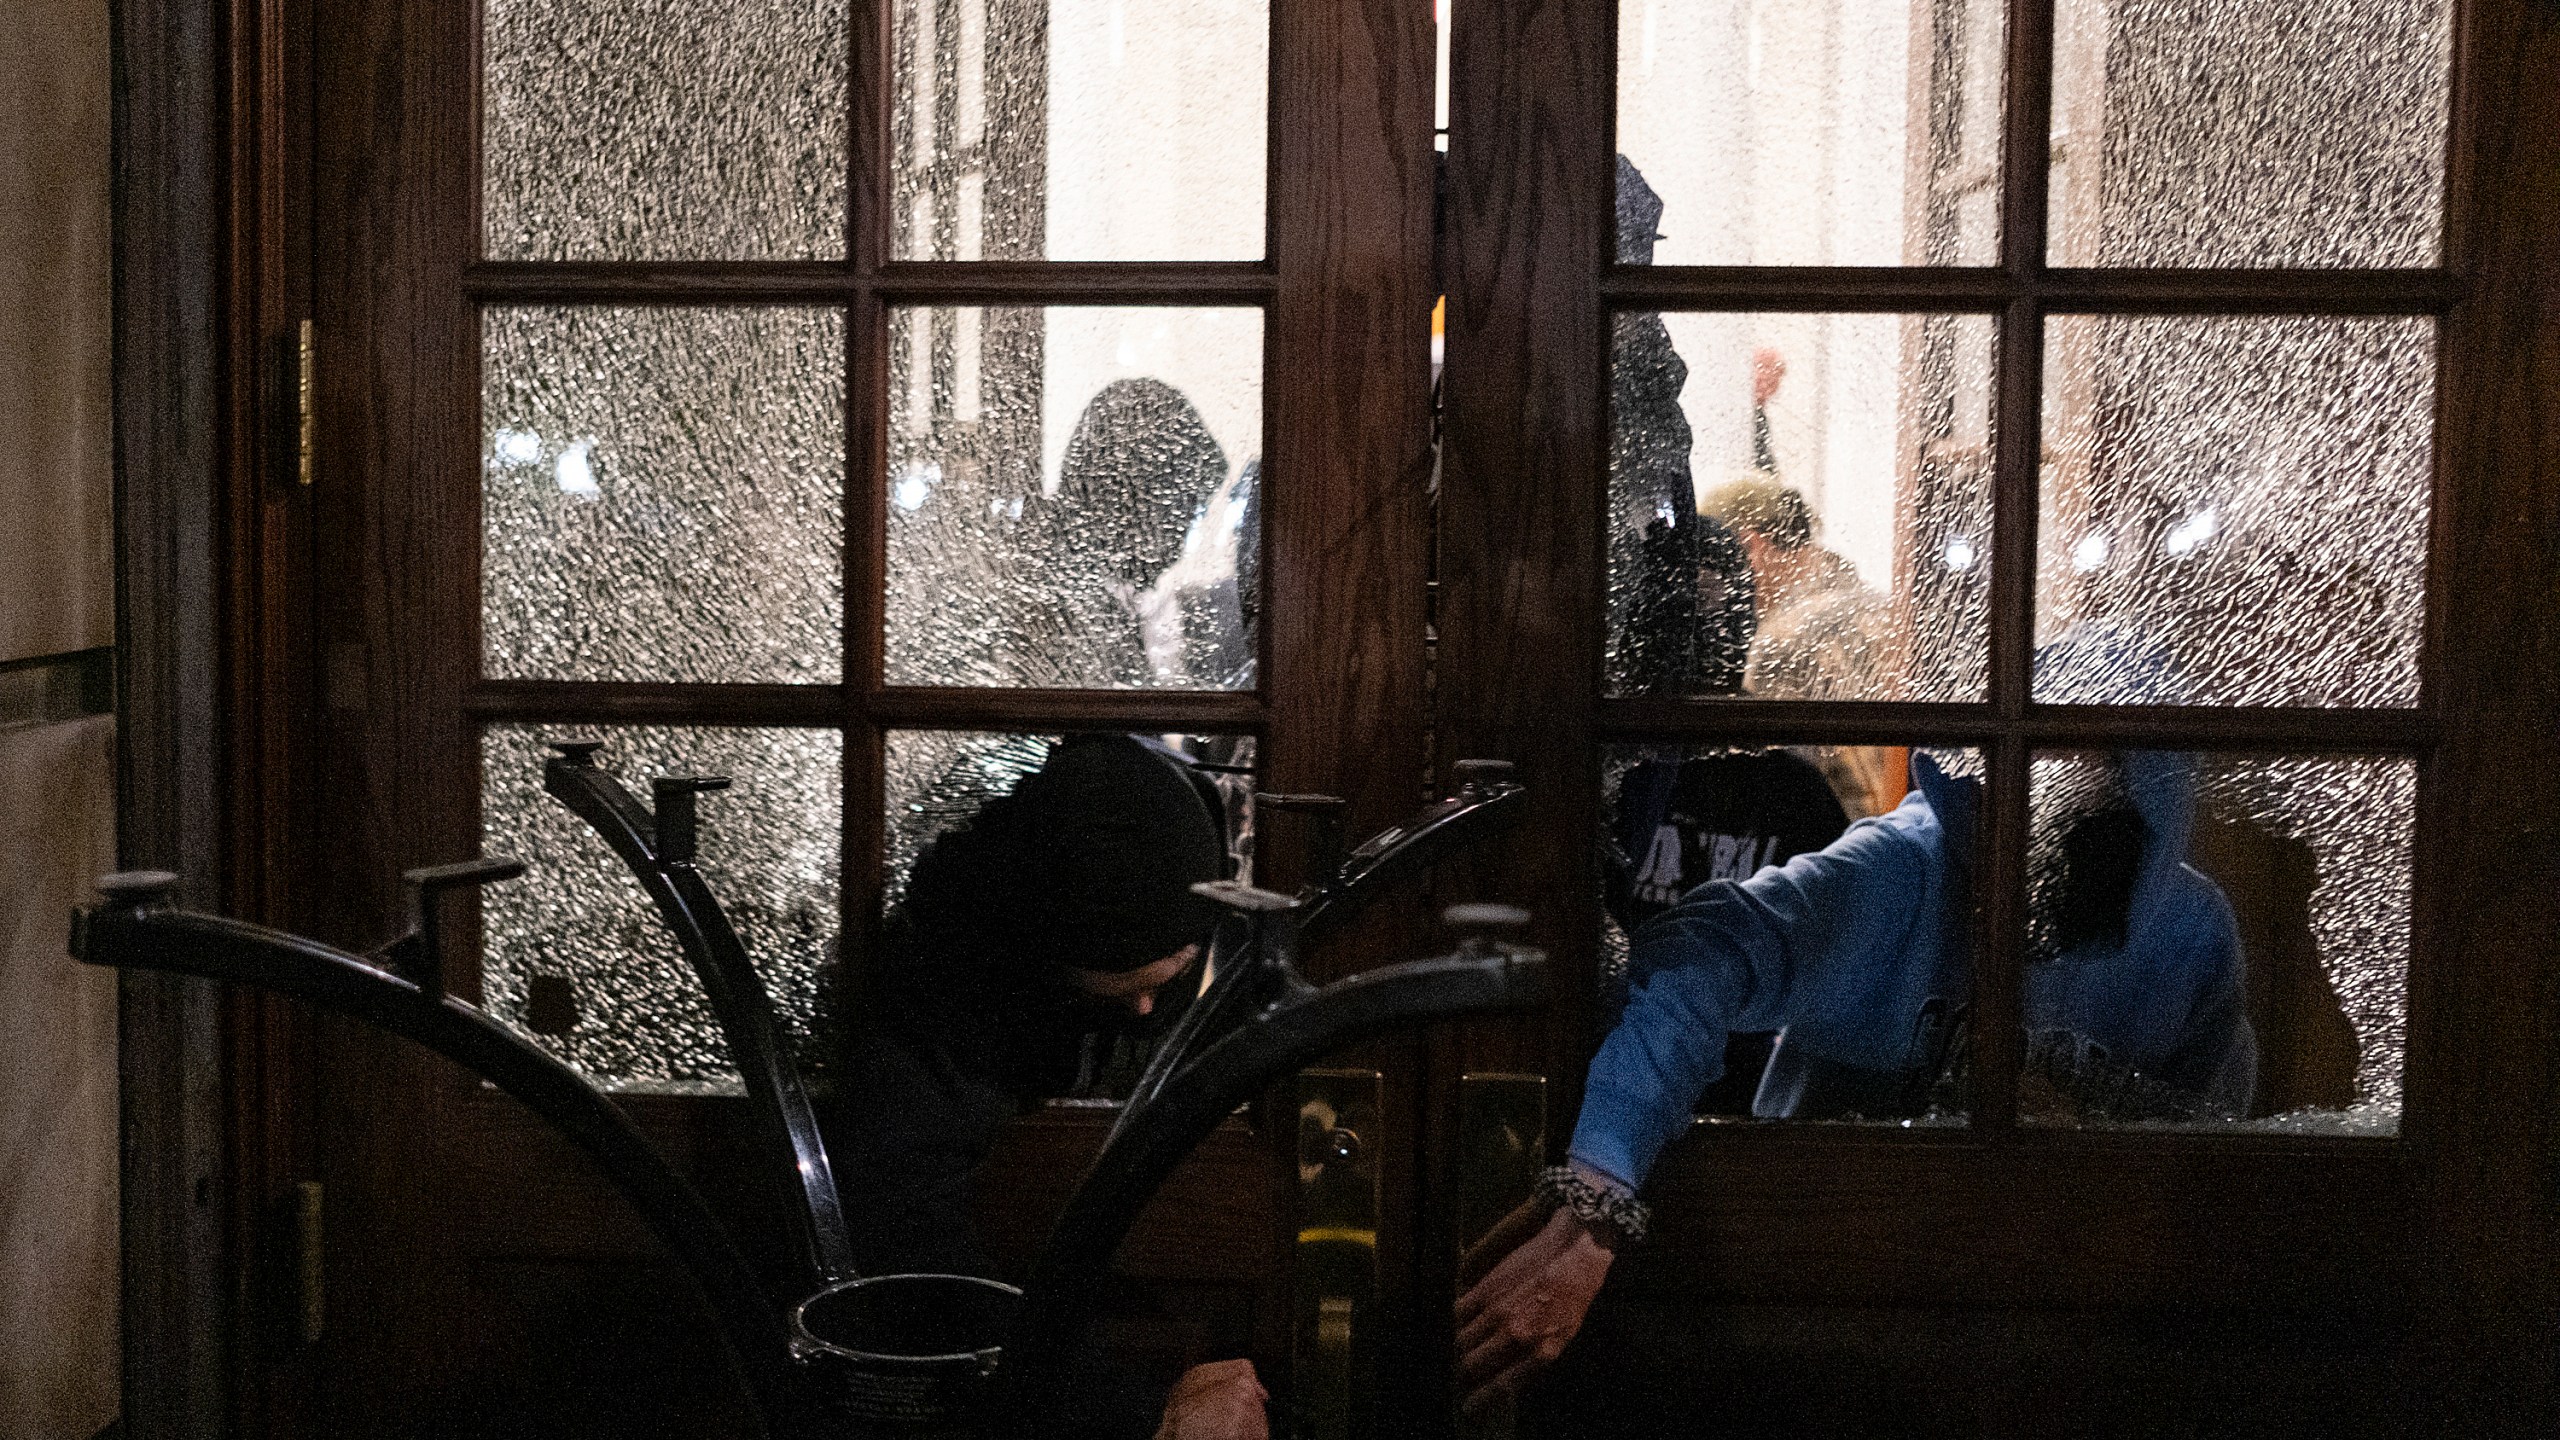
{"x":976,"y":1357}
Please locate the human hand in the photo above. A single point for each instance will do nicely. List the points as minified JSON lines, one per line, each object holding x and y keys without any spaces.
{"x":1218,"y":1401}
{"x":1768,"y":371}
{"x":1517,"y":1320}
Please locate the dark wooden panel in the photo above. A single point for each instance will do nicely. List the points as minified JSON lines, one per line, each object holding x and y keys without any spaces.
{"x":1523,"y":478}
{"x":1346,"y":485}
{"x":2484,"y":1076}
{"x":397,"y":612}
{"x":2028,"y":1219}
{"x":178,"y":1300}
{"x":1650,"y":1366}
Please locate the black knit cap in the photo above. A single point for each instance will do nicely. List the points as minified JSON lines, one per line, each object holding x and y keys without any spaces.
{"x":1105,"y":843}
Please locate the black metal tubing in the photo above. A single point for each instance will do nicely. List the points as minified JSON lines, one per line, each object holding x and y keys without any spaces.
{"x":136,"y":930}
{"x":1480,"y":978}
{"x":659,"y":850}
{"x":1256,"y":955}
{"x":1485,"y":803}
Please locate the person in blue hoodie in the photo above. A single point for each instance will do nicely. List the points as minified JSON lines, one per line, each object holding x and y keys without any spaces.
{"x":1859,"y":954}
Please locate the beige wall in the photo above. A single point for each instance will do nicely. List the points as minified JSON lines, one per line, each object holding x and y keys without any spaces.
{"x":55,"y":592}
{"x":57,"y":1089}
{"x":58,"y":1256}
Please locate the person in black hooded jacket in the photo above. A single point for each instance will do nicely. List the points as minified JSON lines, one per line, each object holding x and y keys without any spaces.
{"x":1054,"y":920}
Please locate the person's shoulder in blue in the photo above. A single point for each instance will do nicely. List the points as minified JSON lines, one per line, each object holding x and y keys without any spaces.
{"x":1859,"y":953}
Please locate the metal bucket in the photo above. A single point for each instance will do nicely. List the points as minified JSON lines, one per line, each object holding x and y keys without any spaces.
{"x":906,"y":1355}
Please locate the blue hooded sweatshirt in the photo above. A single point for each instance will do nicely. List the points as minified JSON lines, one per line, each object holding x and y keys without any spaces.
{"x":1859,"y":952}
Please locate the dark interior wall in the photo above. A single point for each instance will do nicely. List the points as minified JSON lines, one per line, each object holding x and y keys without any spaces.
{"x":58,"y":1190}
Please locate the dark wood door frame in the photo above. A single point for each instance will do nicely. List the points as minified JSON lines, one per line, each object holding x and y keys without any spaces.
{"x":212,"y":681}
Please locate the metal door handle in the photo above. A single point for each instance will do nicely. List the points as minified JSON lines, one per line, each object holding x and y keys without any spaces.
{"x":1333,"y":1274}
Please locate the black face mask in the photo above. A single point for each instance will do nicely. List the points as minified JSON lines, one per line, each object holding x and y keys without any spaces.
{"x":2085,"y":871}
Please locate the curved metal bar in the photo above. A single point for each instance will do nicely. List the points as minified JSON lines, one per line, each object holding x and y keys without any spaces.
{"x":1134,"y":1162}
{"x":1261,"y":968}
{"x":139,"y":935}
{"x":1486,"y":801}
{"x":658,"y":848}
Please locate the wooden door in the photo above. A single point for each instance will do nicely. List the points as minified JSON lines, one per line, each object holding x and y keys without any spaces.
{"x":2101,"y":248}
{"x":684,"y":378}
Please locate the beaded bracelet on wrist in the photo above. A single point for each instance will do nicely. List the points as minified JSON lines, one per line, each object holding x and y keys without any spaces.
{"x":1620,"y":1216}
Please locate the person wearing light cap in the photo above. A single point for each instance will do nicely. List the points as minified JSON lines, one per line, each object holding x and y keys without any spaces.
{"x":1059,"y":916}
{"x":1860,"y":955}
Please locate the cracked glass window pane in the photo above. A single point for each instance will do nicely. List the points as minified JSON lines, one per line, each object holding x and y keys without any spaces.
{"x":2235,"y":510}
{"x":1811,"y":134}
{"x":1800,"y":505}
{"x":662,"y":494}
{"x":1079,"y":129}
{"x":661,"y":130}
{"x":578,"y":926}
{"x":1074,"y":497}
{"x":2223,"y":133}
{"x":1677,"y":820}
{"x":2294,"y":1019}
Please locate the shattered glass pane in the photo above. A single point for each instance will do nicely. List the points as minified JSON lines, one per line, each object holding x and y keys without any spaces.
{"x":771,"y":849}
{"x":2144,"y":1011}
{"x":662,"y":494}
{"x":661,"y":130}
{"x":1800,"y":505}
{"x":2225,"y":133}
{"x":1788,"y":134}
{"x":1079,"y":129}
{"x":937,"y":779}
{"x":1678,"y":819}
{"x":2234,"y":509}
{"x":1074,"y":497}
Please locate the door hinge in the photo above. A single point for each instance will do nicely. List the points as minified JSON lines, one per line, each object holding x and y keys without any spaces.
{"x":306,"y":408}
